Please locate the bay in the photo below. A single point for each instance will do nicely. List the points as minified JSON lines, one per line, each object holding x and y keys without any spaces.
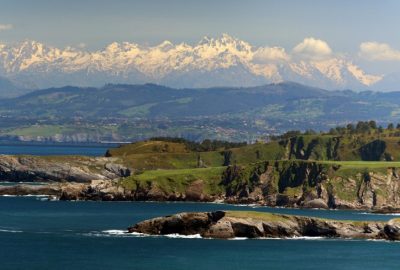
{"x":46,"y":149}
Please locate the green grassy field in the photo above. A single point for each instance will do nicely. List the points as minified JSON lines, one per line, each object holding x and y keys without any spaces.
{"x":177,"y":180}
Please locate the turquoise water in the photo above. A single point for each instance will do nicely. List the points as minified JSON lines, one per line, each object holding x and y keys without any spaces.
{"x":37,"y":234}
{"x":54,"y":149}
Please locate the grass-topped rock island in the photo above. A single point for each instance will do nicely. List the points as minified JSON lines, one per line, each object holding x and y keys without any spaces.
{"x":353,"y":167}
{"x":249,"y":224}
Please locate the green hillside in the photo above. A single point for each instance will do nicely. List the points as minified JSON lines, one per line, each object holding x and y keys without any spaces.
{"x":345,"y":168}
{"x":167,"y":154}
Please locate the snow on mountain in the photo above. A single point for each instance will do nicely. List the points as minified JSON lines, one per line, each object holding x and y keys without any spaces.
{"x":211,"y":62}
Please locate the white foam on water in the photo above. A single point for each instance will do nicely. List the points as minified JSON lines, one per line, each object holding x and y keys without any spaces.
{"x":176,"y":235}
{"x":115,"y":232}
{"x":124,"y":233}
{"x":136,"y":234}
{"x":10,"y":231}
{"x":248,"y":205}
{"x":379,"y":214}
{"x":238,"y":238}
{"x":27,"y":195}
{"x":307,"y":238}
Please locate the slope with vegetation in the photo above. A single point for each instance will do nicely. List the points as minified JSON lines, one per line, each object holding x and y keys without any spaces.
{"x":346,"y":168}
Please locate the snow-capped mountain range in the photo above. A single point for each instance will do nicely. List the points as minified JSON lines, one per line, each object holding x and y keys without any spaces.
{"x":222,"y":61}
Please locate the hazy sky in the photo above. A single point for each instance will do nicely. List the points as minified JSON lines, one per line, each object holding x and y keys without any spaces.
{"x":343,"y":24}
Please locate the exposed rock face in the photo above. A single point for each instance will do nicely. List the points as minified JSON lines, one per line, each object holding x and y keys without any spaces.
{"x":21,"y":190}
{"x":316,"y":203}
{"x":80,"y":169}
{"x":98,"y":190}
{"x":311,"y":185}
{"x":225,"y":225}
{"x":392,"y":229}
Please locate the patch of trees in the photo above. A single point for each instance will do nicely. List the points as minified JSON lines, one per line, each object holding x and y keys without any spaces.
{"x":293,"y":133}
{"x":364,"y":127}
{"x":204,"y":146}
{"x":361,"y":127}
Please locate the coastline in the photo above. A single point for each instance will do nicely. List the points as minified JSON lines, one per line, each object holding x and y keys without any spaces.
{"x":111,"y":191}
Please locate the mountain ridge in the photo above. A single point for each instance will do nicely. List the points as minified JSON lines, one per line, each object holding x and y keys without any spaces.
{"x":211,"y":62}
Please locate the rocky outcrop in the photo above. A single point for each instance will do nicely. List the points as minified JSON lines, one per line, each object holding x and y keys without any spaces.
{"x":225,"y":225}
{"x":74,"y":169}
{"x":23,"y":190}
{"x":295,"y":183}
{"x":392,"y":229}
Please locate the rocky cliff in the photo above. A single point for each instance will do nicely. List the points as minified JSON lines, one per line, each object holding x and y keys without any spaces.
{"x":57,"y":169}
{"x":287,"y":183}
{"x":313,"y":184}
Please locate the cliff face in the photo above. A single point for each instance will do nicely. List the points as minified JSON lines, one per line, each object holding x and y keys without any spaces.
{"x":313,"y":184}
{"x":73,"y":168}
{"x":257,"y":224}
{"x":347,"y":147}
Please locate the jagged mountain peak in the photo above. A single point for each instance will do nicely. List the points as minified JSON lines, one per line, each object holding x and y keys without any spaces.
{"x":223,"y":60}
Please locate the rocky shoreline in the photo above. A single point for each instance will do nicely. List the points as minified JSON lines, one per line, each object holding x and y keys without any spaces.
{"x":294,"y":184}
{"x":81,"y":169}
{"x":110,"y":190}
{"x":231,"y":224}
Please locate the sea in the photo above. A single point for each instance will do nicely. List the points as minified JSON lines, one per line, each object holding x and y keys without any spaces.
{"x":39,"y":234}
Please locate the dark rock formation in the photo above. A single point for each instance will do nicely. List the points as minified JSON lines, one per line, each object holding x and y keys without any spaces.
{"x":232,"y":224}
{"x":392,"y":229}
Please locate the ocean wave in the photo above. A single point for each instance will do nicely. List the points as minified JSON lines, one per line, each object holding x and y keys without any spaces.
{"x":27,"y":195}
{"x":10,"y":231}
{"x":379,"y":214}
{"x":238,"y":238}
{"x":307,"y":238}
{"x":177,"y":235}
{"x":124,"y":233}
{"x":108,"y":233}
{"x":115,"y":232}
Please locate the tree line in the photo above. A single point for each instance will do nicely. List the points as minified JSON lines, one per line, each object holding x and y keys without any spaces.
{"x":361,"y":127}
{"x":203,"y":146}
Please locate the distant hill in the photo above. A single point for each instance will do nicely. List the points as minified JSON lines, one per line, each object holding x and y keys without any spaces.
{"x":284,"y":101}
{"x":9,"y":89}
{"x":132,"y":112}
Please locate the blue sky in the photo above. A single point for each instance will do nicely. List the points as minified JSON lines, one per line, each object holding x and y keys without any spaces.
{"x":343,"y":24}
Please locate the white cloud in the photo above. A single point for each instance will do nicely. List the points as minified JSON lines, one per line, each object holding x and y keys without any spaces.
{"x":268,"y":54}
{"x":375,"y":51}
{"x":6,"y":27}
{"x":313,"y":49}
